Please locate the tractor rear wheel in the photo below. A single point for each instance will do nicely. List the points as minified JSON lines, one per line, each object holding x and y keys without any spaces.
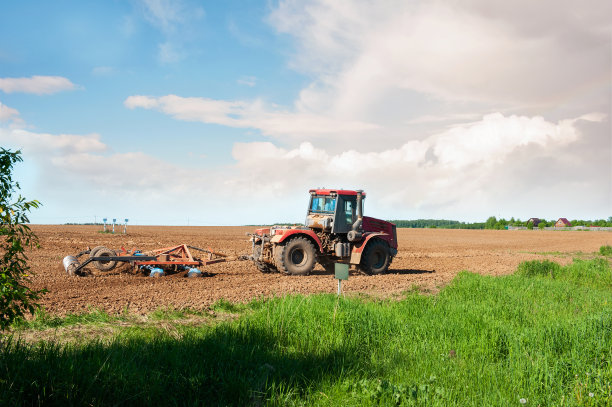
{"x":375,"y":258}
{"x":105,"y":265}
{"x":297,"y":257}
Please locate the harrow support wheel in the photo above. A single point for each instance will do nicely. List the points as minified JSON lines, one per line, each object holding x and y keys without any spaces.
{"x":92,"y":252}
{"x":297,"y":257}
{"x":105,"y":265}
{"x":376,"y":258}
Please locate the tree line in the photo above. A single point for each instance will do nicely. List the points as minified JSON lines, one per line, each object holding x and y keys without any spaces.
{"x":437,"y":223}
{"x":493,"y":223}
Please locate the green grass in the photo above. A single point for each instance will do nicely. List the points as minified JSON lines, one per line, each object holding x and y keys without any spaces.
{"x":576,"y":254}
{"x":543,"y":334}
{"x":43,"y":320}
{"x":605,"y":250}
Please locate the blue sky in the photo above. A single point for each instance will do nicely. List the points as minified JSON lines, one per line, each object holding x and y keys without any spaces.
{"x":224,"y":113}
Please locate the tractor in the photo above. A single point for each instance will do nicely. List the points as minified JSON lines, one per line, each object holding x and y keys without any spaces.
{"x":335,"y":231}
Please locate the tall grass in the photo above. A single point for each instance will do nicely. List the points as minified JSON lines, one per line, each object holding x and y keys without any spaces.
{"x":605,"y":250}
{"x":540,"y":336}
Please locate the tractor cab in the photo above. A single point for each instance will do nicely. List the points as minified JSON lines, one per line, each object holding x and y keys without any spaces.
{"x":335,"y":211}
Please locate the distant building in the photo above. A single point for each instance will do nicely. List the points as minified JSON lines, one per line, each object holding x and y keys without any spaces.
{"x":535,"y":221}
{"x":563,"y":222}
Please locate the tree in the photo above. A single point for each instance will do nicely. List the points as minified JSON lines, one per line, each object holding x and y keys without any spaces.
{"x":490,"y":223}
{"x":15,"y":237}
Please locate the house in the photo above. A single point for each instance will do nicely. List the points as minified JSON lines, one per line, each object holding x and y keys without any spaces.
{"x":535,"y":221}
{"x":563,"y":222}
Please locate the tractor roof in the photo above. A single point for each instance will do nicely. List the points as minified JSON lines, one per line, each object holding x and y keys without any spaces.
{"x":337,"y":191}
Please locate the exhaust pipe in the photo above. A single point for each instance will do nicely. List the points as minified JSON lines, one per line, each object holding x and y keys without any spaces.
{"x":355,"y":233}
{"x":357,"y":224}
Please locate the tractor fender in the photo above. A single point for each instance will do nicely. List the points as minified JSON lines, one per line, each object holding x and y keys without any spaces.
{"x":359,"y":247}
{"x":287,"y":233}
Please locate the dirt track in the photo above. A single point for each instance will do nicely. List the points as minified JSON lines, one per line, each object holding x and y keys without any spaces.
{"x":428,"y":258}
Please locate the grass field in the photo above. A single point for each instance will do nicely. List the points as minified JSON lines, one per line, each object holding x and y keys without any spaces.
{"x":542,"y":336}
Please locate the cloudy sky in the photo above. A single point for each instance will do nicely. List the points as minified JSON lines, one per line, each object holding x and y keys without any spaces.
{"x":226,"y":113}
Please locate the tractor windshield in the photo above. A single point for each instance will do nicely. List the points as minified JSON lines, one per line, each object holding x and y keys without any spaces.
{"x":322,"y":204}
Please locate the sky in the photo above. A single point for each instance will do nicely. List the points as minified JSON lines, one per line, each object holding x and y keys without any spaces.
{"x":192,"y":112}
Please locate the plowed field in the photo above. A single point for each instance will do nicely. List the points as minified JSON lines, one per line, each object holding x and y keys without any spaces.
{"x":427,"y":258}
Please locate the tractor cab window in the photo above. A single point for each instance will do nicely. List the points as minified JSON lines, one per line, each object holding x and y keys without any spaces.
{"x":322,"y":204}
{"x":349,"y":210}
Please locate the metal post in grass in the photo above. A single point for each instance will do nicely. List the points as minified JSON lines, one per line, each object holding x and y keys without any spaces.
{"x":114,"y":221}
{"x":125,"y":226}
{"x":104,"y":220}
{"x":341,"y":273}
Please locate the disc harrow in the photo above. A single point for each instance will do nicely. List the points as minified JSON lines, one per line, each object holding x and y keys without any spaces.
{"x":157,"y":262}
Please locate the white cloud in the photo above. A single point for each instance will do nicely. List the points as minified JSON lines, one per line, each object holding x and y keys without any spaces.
{"x":86,"y":160}
{"x":496,"y":136}
{"x":170,"y":53}
{"x":40,"y":85}
{"x":464,"y":172}
{"x":8,"y":113}
{"x":175,"y":19}
{"x":249,"y":81}
{"x":164,"y":14}
{"x":49,"y":144}
{"x":362,"y":52}
{"x":272,"y":121}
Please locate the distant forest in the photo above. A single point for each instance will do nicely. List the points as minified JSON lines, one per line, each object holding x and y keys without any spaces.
{"x":492,"y":223}
{"x":437,"y":223}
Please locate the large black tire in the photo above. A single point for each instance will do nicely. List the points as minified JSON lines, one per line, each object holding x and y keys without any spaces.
{"x":296,"y":257}
{"x":261,"y":265}
{"x":92,"y":252}
{"x":376,"y":257}
{"x":105,"y":265}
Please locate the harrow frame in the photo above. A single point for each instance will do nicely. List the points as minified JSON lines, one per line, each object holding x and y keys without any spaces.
{"x":167,"y":257}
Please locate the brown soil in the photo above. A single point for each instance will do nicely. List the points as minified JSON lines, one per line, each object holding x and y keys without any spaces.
{"x":427,"y":258}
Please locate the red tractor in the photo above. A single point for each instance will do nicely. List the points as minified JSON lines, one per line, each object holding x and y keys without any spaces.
{"x":335,"y":231}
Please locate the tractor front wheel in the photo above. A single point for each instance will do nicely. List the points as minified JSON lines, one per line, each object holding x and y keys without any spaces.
{"x":297,"y":257}
{"x":375,"y":258}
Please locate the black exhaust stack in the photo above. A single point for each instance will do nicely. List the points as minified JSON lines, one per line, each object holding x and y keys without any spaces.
{"x":355,"y":233}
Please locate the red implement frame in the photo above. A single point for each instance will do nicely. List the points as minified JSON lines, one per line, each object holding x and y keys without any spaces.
{"x":181,"y":255}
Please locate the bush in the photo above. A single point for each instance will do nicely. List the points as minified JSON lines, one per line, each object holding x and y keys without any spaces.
{"x":538,"y":268}
{"x":605,"y":250}
{"x":15,"y":298}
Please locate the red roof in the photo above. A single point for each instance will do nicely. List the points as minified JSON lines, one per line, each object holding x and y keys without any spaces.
{"x":337,"y":191}
{"x":564,"y":221}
